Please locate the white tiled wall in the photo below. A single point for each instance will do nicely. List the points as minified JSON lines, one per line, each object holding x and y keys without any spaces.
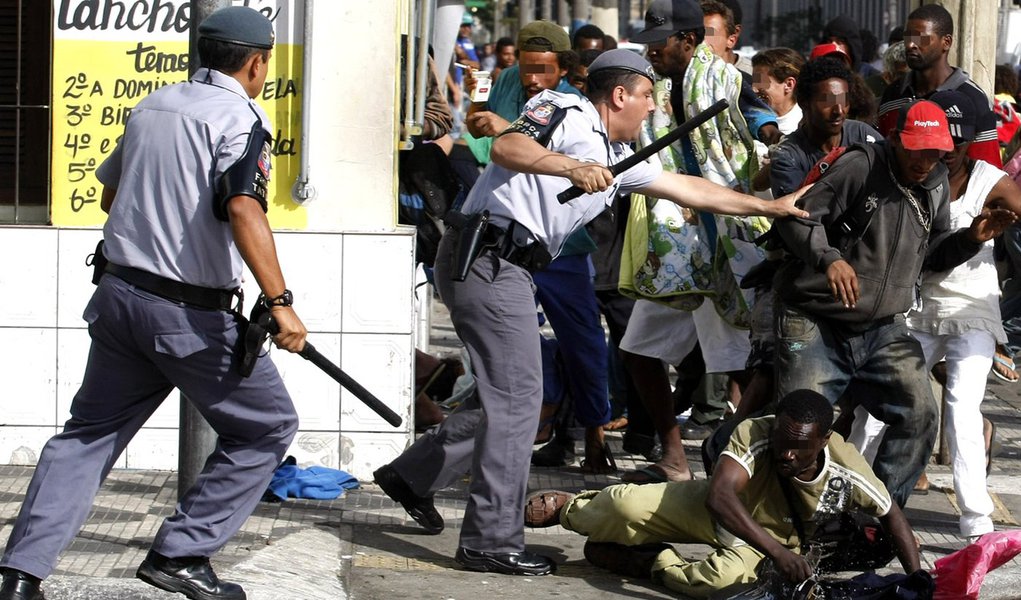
{"x":353,"y":291}
{"x":72,"y":354}
{"x":377,"y":286}
{"x":315,"y":396}
{"x":21,"y":445}
{"x":380,"y":363}
{"x":74,"y":277}
{"x":363,"y":453}
{"x":29,"y":359}
{"x":29,"y":297}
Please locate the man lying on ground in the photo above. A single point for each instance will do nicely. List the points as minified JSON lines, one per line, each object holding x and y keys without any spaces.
{"x":772,"y":466}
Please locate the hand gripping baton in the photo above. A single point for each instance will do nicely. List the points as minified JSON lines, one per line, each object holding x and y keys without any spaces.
{"x":683,"y":129}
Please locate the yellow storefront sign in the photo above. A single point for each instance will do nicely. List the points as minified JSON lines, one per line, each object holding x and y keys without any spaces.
{"x":108,"y":55}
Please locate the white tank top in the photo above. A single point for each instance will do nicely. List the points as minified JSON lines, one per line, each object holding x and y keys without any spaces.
{"x":966,"y":297}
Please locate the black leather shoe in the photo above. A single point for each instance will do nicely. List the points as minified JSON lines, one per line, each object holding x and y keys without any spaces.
{"x":422,"y":510}
{"x":699,"y":431}
{"x":557,"y":453}
{"x":646,"y":445}
{"x":507,"y":563}
{"x":191,"y":576}
{"x":630,"y":561}
{"x":18,"y":585}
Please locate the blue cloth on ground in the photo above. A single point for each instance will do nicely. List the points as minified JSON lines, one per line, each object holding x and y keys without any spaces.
{"x":317,"y":483}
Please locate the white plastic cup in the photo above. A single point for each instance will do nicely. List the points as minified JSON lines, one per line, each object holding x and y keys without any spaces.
{"x":483,"y":83}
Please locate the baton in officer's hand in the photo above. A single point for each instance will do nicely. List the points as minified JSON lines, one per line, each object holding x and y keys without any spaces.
{"x":683,"y":129}
{"x":262,"y":319}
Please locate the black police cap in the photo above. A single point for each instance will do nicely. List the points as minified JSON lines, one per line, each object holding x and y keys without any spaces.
{"x":238,"y":25}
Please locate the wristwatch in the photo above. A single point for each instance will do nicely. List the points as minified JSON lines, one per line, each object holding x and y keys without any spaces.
{"x":284,"y":299}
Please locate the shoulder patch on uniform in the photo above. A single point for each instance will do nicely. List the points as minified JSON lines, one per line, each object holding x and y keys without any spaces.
{"x":539,"y":122}
{"x":264,"y":160}
{"x":542,"y":113}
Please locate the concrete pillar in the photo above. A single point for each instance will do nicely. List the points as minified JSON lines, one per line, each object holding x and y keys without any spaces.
{"x":499,"y":6}
{"x":546,"y":10}
{"x":580,"y":14}
{"x":606,"y":16}
{"x":525,"y":11}
{"x":563,"y":13}
{"x":196,"y":438}
{"x":975,"y":34}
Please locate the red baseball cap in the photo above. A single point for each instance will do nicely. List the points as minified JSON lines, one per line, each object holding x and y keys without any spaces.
{"x":830,"y":49}
{"x":923,"y":126}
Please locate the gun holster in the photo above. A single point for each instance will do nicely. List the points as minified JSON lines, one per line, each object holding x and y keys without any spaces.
{"x":254,"y":332}
{"x":517,"y":245}
{"x":97,"y":260}
{"x":471,"y":240}
{"x":476,"y":233}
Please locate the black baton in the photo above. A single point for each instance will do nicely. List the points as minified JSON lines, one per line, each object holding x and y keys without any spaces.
{"x":312,"y":355}
{"x":683,"y":129}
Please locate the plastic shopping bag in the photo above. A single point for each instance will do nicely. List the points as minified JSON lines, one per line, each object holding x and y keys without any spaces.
{"x":959,"y":575}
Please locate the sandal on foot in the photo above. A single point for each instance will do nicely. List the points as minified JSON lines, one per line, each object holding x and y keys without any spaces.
{"x":616,"y":424}
{"x":610,"y":464}
{"x":1004,"y":368}
{"x":542,"y":509}
{"x":921,"y":486}
{"x":656,"y":473}
{"x":547,"y":425}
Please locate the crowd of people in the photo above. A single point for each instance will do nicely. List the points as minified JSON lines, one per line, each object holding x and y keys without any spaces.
{"x":889,"y":275}
{"x":833,"y":235}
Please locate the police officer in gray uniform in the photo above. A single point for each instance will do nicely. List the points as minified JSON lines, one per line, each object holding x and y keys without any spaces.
{"x":186,"y":193}
{"x":558,"y":140}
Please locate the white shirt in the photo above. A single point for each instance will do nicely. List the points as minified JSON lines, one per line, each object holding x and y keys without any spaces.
{"x":177,"y":144}
{"x":967,"y":296}
{"x":531,"y":200}
{"x":789,"y":122}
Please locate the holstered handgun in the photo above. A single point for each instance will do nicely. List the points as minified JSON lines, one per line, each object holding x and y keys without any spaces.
{"x":256,"y":330}
{"x":520,"y":248}
{"x":470,"y":242}
{"x":97,"y":260}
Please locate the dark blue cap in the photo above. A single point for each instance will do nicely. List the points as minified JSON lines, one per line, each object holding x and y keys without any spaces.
{"x":962,"y":118}
{"x":621,"y":58}
{"x":238,"y":25}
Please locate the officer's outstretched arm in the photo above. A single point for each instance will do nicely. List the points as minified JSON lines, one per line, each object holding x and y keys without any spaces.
{"x":254,"y":240}
{"x":702,"y":194}
{"x":518,"y":152}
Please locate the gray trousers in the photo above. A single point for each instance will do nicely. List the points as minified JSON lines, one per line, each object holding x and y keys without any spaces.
{"x":491,"y":434}
{"x":142,"y":347}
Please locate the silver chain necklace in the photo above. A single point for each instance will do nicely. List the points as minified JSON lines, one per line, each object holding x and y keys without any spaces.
{"x":921,"y":213}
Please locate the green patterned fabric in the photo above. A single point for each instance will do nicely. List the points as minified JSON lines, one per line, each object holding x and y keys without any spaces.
{"x":666,"y":257}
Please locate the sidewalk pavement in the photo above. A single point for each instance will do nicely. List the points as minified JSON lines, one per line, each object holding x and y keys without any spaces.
{"x":365,"y":547}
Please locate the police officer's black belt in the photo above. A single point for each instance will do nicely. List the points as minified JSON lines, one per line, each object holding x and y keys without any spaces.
{"x":202,"y":297}
{"x":515,"y":244}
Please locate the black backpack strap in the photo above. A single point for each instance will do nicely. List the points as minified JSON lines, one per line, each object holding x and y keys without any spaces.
{"x":843,"y":234}
{"x":852,"y":224}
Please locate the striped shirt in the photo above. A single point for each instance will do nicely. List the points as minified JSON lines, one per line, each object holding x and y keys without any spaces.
{"x":845,"y":482}
{"x":901,"y":93}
